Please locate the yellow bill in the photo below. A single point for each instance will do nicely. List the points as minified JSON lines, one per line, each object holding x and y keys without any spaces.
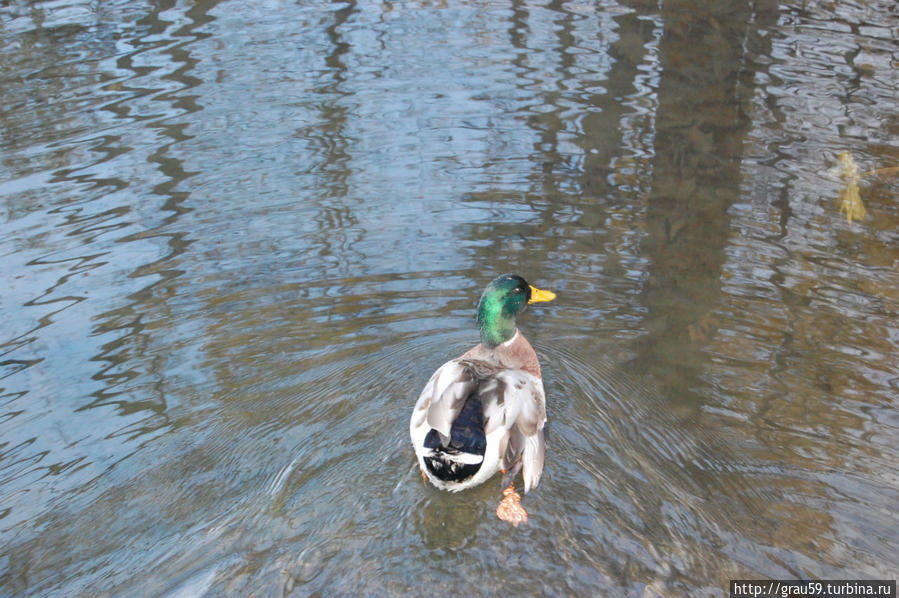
{"x":538,"y":295}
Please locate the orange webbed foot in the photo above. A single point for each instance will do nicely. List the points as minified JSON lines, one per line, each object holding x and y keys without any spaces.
{"x":510,"y":509}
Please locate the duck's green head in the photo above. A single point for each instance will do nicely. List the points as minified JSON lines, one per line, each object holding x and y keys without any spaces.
{"x":503,"y":299}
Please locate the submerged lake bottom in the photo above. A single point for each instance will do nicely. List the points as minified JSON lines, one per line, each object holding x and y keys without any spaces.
{"x":237,"y":239}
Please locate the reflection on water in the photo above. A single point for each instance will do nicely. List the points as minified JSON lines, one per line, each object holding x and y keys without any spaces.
{"x":238,"y":238}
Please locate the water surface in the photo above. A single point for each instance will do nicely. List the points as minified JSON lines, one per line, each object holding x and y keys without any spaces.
{"x":237,"y":239}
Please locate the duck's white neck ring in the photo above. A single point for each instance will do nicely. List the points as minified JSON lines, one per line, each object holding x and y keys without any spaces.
{"x":511,"y":340}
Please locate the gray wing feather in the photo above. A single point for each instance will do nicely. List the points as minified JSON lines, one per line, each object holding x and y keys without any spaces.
{"x":514,"y":400}
{"x":532,"y":459}
{"x":445,"y":395}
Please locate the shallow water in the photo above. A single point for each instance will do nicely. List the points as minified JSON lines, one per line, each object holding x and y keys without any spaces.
{"x":239,"y":237}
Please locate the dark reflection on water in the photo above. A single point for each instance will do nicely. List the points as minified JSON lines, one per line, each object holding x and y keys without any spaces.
{"x":238,"y":238}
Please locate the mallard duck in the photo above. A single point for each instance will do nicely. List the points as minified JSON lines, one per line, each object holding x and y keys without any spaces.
{"x":484,"y":412}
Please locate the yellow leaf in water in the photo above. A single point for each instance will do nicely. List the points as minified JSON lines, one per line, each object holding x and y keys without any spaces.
{"x":848,"y":167}
{"x":851,"y":202}
{"x":850,"y":199}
